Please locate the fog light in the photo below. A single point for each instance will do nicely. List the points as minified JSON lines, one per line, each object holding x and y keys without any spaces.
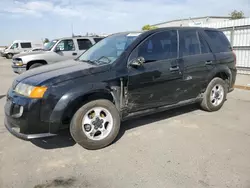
{"x":17,"y":113}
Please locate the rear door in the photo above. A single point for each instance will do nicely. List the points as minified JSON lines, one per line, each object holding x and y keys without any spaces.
{"x":155,"y":83}
{"x":83,"y":45}
{"x":197,"y":59}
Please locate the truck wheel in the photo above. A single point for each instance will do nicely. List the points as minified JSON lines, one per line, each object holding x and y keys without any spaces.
{"x":96,"y":124}
{"x":9,"y":56}
{"x":35,"y":65}
{"x":215,"y":95}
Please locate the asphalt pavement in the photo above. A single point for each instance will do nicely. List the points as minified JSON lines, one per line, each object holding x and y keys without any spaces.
{"x":182,"y":148}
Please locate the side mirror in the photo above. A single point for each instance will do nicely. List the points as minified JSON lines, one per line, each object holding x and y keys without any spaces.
{"x":137,"y":62}
{"x":57,"y":49}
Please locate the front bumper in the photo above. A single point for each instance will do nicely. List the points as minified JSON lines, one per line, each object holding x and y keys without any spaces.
{"x":3,"y":54}
{"x":15,"y":130}
{"x":18,"y":69}
{"x":22,"y":117}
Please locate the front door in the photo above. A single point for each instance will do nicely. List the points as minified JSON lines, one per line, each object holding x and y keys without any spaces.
{"x":15,"y":48}
{"x":65,"y":49}
{"x":155,"y":82}
{"x":197,"y":60}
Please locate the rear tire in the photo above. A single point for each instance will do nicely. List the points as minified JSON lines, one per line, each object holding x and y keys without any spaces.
{"x":215,"y":95}
{"x":84,"y":126}
{"x":35,"y":65}
{"x":9,"y":56}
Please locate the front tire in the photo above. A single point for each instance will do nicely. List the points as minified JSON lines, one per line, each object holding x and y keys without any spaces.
{"x":9,"y":56}
{"x":96,"y":124}
{"x":215,"y":95}
{"x":35,"y":65}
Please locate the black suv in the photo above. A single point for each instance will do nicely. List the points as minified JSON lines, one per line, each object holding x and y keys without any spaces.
{"x":123,"y":76}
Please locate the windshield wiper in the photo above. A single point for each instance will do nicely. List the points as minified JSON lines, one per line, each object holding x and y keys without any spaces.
{"x":88,"y":61}
{"x":104,"y":57}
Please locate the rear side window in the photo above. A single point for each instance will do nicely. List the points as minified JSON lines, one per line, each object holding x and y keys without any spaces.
{"x":204,"y":46}
{"x":219,"y":40}
{"x":26,"y":45}
{"x":97,"y":39}
{"x":84,"y":44}
{"x":189,"y":43}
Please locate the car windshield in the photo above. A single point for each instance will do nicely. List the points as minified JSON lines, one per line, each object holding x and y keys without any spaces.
{"x":50,"y":45}
{"x":109,"y":49}
{"x":11,"y":46}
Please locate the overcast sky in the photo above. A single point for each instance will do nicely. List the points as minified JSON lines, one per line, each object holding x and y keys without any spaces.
{"x":36,"y":19}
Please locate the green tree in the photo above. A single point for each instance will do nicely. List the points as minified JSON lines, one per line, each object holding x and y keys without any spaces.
{"x":46,"y":40}
{"x":236,"y":15}
{"x":148,"y":27}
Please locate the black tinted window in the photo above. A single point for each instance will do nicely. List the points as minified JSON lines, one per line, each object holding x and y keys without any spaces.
{"x":204,"y":46}
{"x":66,"y":45}
{"x":84,"y":44}
{"x":219,"y":40}
{"x":97,"y":39}
{"x":189,"y":43}
{"x":26,"y":45}
{"x":159,"y":46}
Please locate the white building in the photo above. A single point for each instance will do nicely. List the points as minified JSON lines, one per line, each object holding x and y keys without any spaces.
{"x":198,"y":21}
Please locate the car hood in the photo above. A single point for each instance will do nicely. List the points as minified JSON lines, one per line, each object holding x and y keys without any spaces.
{"x":59,"y":72}
{"x":21,"y":55}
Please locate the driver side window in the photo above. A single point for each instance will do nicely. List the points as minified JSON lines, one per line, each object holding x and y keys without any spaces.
{"x":14,"y":46}
{"x":66,"y":45}
{"x":160,"y":46}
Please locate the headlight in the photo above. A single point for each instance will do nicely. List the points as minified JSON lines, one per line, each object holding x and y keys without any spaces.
{"x":18,"y":62}
{"x":30,"y":91}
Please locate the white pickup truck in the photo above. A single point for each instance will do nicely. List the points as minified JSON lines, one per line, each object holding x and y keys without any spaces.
{"x":55,"y":51}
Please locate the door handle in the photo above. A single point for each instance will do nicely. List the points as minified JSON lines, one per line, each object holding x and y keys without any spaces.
{"x":74,"y":53}
{"x":208,"y":62}
{"x":175,"y":68}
